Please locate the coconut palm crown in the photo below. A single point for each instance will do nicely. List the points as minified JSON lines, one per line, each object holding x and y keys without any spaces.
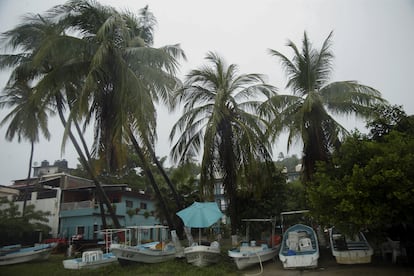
{"x":219,"y":121}
{"x":307,"y":113}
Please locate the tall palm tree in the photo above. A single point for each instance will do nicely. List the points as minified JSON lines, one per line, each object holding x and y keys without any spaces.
{"x":125,"y":77}
{"x":49,"y":73}
{"x":97,"y":65}
{"x":307,"y":113}
{"x":219,"y":120}
{"x":28,"y":118}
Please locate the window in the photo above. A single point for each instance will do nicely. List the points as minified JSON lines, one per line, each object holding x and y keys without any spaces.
{"x":95,"y":231}
{"x":128,"y":203}
{"x":143,"y":206}
{"x":80,"y":230}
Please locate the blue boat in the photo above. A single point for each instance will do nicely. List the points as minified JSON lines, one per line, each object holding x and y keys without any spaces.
{"x":299,"y":248}
{"x":16,"y":254}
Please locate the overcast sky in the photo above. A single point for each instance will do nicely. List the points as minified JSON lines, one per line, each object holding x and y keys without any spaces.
{"x":373,"y":43}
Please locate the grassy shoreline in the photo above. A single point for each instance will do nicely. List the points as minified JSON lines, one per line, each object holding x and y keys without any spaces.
{"x":226,"y":266}
{"x":54,"y":266}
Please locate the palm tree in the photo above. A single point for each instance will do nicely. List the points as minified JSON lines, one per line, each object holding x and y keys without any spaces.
{"x":103,"y":73}
{"x":28,"y":118}
{"x":307,"y":113}
{"x":219,"y":114}
{"x":50,"y":74}
{"x":125,"y":77}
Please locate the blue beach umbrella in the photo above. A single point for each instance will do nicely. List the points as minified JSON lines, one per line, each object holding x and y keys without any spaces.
{"x":200,"y":214}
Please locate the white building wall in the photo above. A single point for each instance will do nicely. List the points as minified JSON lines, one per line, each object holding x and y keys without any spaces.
{"x":46,"y":205}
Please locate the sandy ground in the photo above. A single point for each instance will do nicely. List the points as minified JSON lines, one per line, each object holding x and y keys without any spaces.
{"x":328,"y":266}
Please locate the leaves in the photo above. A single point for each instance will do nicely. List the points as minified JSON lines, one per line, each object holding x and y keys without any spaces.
{"x":14,"y":227}
{"x":307,"y":114}
{"x":369,"y":183}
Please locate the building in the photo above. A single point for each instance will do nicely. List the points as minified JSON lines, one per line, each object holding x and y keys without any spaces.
{"x":45,"y":168}
{"x":80,"y":214}
{"x":74,"y":206}
{"x":293,"y":175}
{"x":7,"y":192}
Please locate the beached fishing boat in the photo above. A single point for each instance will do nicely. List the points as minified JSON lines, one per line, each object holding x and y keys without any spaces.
{"x":152,"y":246}
{"x":201,"y":215}
{"x":299,"y":248}
{"x":96,"y":258}
{"x":15,"y":254}
{"x":346,"y":250}
{"x":254,"y":252}
{"x":91,"y":260}
{"x":203,"y":254}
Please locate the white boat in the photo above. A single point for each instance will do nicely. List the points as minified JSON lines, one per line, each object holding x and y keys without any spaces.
{"x":95,"y":258}
{"x":355,"y":250}
{"x":254,"y":252}
{"x":203,"y":254}
{"x":299,"y":248}
{"x":16,"y":254}
{"x":90,"y":259}
{"x":201,"y":215}
{"x":146,"y":250}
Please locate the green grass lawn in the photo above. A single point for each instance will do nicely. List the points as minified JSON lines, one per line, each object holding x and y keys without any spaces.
{"x":54,"y":266}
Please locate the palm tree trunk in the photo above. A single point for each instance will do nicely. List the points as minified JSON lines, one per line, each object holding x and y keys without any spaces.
{"x":88,"y":156}
{"x":102,"y":212}
{"x":151,"y":178}
{"x":28,"y":178}
{"x":177,"y":198}
{"x":230,"y":178}
{"x":88,"y":167}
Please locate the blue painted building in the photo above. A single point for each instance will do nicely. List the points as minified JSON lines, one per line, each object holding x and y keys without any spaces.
{"x":80,"y":215}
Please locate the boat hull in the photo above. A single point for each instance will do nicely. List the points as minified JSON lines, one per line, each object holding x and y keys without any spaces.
{"x":353,"y":258}
{"x":357,"y":251}
{"x":30,"y":254}
{"x":81,"y":263}
{"x":247,"y":256}
{"x":299,"y":261}
{"x":142,"y":254}
{"x":201,"y":255}
{"x":299,"y":248}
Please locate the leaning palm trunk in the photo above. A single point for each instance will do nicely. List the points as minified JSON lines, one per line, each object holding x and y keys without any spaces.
{"x":177,"y":198}
{"x":101,"y":193}
{"x":178,"y":201}
{"x":151,"y":178}
{"x":88,"y":155}
{"x":28,"y":178}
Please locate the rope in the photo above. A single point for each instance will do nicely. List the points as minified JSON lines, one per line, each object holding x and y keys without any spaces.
{"x":261,"y":267}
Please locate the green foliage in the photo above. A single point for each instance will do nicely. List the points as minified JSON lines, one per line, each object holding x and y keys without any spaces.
{"x":289,"y":162}
{"x":385,"y":119}
{"x":369,"y":183}
{"x":15,"y":228}
{"x":131,"y":212}
{"x":267,"y":202}
{"x":186,"y":177}
{"x":220,"y":120}
{"x":307,"y":114}
{"x":295,"y":194}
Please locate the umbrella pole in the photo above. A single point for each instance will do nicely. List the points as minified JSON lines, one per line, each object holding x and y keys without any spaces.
{"x":199,"y":236}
